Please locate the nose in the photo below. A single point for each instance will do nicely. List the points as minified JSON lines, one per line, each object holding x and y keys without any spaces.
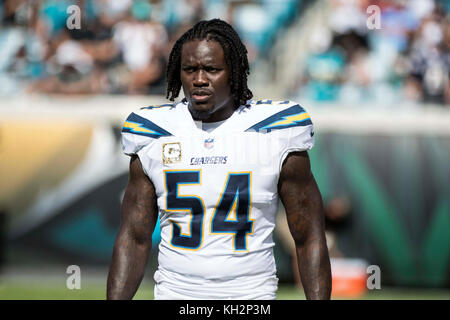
{"x":200,"y":79}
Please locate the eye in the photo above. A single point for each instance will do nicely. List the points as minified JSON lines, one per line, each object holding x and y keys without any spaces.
{"x":188,"y":69}
{"x":212,"y":69}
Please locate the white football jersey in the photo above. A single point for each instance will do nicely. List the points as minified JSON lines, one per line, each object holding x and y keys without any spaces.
{"x":217,"y":194}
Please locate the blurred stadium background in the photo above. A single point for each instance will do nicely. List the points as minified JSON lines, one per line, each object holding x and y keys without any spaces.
{"x":379,"y":99}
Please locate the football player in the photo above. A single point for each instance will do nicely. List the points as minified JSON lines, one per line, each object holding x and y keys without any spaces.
{"x":211,"y":168}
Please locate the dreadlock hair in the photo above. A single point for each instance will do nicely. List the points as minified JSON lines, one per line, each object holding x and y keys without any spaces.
{"x":235,"y":55}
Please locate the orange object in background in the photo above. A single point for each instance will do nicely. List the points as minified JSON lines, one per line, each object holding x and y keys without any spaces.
{"x":349,"y":278}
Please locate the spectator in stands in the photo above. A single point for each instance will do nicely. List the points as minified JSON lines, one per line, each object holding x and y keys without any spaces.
{"x":118,"y":51}
{"x":142,"y":43}
{"x":429,"y":57}
{"x":122,"y":46}
{"x":72,"y":70}
{"x":406,"y":60}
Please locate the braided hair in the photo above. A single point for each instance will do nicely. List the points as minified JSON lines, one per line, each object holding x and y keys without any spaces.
{"x":235,"y":55}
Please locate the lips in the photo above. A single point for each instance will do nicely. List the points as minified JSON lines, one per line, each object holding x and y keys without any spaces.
{"x":201,"y":95}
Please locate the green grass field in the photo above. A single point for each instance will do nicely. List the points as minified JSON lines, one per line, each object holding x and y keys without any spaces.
{"x":23,"y":289}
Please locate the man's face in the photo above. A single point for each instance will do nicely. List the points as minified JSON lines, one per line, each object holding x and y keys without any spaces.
{"x":205,"y":80}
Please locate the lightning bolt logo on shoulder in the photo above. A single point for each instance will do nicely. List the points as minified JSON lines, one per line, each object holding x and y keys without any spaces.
{"x":138,"y":125}
{"x":291,"y":117}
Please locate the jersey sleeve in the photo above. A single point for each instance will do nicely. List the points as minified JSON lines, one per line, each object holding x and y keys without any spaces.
{"x":291,"y":125}
{"x":138,"y":131}
{"x":299,"y":138}
{"x":131,"y":144}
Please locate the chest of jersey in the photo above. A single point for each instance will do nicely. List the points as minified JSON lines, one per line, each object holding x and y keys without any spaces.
{"x":213,"y":183}
{"x":217,"y":190}
{"x":214,"y":157}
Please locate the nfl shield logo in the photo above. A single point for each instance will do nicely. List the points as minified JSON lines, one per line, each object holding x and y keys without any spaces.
{"x":209,"y":143}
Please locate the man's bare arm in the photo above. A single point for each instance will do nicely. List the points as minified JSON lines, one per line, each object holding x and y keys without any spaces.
{"x":304,"y":211}
{"x":134,"y":240}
